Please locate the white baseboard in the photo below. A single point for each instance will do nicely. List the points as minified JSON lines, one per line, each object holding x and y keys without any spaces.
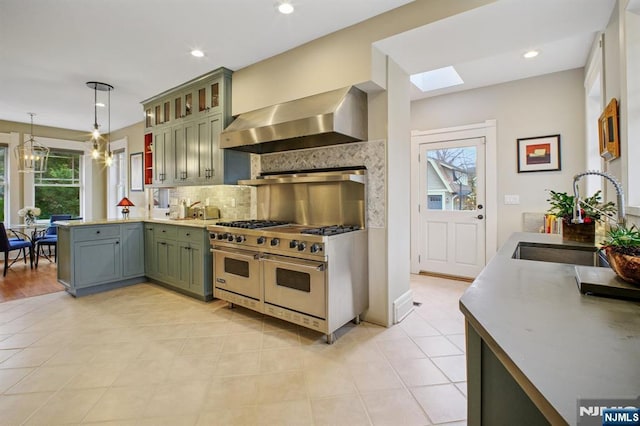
{"x":402,"y":306}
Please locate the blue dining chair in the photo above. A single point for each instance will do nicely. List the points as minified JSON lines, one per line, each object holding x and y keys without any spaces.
{"x":49,"y":238}
{"x":8,"y":245}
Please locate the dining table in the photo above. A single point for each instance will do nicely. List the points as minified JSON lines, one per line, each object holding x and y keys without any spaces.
{"x":30,"y":230}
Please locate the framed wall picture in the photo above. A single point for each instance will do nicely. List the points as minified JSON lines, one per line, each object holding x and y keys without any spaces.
{"x":136,"y":167}
{"x":608,"y":131}
{"x":539,"y":154}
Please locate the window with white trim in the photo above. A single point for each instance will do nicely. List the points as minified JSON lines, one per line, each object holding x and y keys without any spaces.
{"x":3,"y":181}
{"x":57,"y":191}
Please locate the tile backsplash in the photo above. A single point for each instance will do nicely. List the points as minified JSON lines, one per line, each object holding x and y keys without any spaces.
{"x":234,"y":201}
{"x":371,"y":154}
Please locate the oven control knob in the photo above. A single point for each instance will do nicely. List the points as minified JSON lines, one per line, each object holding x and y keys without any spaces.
{"x":240,"y":239}
{"x":261,"y":240}
{"x":302,"y":246}
{"x":222,"y":236}
{"x":275,"y":241}
{"x":315,"y":248}
{"x":293,"y":244}
{"x":230,"y":238}
{"x":212,"y":236}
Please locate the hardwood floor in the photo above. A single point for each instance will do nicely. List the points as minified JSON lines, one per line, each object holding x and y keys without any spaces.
{"x":21,"y":281}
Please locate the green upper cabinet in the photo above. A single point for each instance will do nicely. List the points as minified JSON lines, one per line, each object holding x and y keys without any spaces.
{"x":186,"y":122}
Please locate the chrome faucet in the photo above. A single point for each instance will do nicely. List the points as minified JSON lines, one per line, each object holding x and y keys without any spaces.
{"x":577,"y":215}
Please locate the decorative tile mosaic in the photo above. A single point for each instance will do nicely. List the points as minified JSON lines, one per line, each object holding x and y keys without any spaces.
{"x":235,"y":202}
{"x":371,"y":154}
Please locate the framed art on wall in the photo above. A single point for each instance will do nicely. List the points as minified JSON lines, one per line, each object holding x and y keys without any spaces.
{"x":608,"y":131}
{"x":539,"y":154}
{"x":136,"y":171}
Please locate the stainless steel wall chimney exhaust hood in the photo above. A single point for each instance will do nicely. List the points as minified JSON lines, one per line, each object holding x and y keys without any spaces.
{"x":330,"y":118}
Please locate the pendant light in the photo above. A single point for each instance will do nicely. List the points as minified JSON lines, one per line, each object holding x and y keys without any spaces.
{"x":95,"y":134}
{"x":32,"y":156}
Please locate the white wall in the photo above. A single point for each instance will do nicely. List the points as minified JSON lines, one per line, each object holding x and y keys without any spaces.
{"x":398,"y":185}
{"x":550,"y":104}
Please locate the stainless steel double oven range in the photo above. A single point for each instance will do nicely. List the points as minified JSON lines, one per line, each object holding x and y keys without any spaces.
{"x":306,"y":259}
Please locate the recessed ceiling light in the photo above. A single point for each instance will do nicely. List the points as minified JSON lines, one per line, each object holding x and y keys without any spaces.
{"x":100,"y":104}
{"x":197,"y":53}
{"x":285,"y":8}
{"x":437,"y":79}
{"x":531,"y":54}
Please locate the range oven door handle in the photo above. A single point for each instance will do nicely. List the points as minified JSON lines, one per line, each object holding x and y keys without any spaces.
{"x":318,"y":268}
{"x":253,"y":256}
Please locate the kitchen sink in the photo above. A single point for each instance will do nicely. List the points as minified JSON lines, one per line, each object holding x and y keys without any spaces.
{"x":561,"y":253}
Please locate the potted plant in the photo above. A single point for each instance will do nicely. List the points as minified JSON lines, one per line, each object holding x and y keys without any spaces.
{"x":622,"y":247}
{"x":592,"y":210}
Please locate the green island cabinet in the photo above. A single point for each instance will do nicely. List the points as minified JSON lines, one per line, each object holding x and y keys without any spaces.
{"x":178,"y":257}
{"x":96,"y":258}
{"x":184,"y":124}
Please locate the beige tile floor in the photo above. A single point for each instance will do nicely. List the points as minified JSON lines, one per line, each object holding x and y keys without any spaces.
{"x":144,"y":355}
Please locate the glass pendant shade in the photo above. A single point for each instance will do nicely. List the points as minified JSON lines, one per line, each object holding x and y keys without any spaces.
{"x":31,"y":155}
{"x":96,"y":150}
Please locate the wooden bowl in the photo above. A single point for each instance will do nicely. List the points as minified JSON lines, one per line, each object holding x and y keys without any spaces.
{"x":625,"y":266}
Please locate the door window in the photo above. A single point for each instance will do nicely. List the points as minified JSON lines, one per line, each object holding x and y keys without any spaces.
{"x":451,"y":178}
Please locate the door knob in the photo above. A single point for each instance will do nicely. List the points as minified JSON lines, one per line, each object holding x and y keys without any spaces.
{"x":480,"y":216}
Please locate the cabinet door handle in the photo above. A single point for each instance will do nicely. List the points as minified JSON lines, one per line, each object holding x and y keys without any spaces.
{"x":97,"y":232}
{"x":117,"y":242}
{"x":187,"y":234}
{"x":163,"y":244}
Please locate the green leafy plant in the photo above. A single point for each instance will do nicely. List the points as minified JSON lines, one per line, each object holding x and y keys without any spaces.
{"x":624,"y":240}
{"x":592,"y":208}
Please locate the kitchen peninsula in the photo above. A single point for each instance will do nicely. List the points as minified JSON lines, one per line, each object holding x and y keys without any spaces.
{"x":106,"y":254}
{"x":536,"y":345}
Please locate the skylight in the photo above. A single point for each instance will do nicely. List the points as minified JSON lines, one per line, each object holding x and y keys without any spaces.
{"x":436,"y":79}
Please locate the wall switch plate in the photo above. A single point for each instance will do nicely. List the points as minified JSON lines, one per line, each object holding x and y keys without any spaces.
{"x":512,"y":199}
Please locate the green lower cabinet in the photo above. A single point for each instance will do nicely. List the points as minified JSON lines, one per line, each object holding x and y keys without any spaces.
{"x":150,"y":258}
{"x":197,"y":283}
{"x":190,"y":273}
{"x":96,"y":262}
{"x":132,"y":250}
{"x":95,"y":258}
{"x":167,"y":260}
{"x":178,"y":257}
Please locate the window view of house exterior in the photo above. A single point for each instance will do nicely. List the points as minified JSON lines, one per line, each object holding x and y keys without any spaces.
{"x":57,"y":191}
{"x":451,"y":179}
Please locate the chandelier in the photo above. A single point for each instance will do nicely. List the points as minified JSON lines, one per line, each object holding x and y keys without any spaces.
{"x":96,"y":137}
{"x":31,"y":155}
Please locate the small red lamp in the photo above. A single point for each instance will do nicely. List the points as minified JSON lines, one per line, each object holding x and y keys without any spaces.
{"x":125,"y":203}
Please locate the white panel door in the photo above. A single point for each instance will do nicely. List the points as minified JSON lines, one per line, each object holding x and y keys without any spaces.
{"x":452,"y":214}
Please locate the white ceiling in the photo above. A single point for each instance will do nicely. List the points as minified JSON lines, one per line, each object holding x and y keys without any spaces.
{"x":50,"y":49}
{"x":485,"y":45}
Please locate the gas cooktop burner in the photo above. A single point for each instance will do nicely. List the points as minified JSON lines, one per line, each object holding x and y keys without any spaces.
{"x":252,"y":224}
{"x":331,"y":230}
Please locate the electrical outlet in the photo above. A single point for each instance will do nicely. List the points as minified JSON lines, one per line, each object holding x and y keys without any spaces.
{"x":512,"y":199}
